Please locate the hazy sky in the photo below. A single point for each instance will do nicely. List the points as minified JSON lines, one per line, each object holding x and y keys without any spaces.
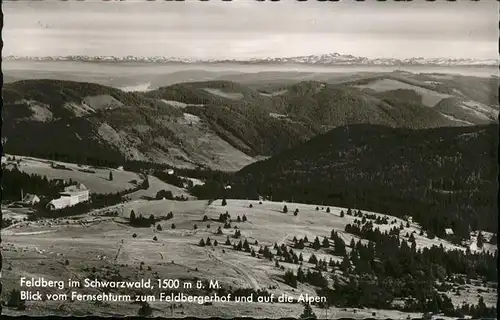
{"x":247,"y":28}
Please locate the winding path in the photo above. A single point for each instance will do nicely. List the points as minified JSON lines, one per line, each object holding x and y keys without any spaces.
{"x":242,"y":272}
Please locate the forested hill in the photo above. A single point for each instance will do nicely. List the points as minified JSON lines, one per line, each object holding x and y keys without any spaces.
{"x":444,"y":177}
{"x":217,"y":124}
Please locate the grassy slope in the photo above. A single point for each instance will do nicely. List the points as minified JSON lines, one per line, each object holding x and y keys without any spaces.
{"x":31,"y":252}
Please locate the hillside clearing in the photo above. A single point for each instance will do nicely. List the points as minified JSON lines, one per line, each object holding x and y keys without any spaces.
{"x":95,"y":179}
{"x":429,"y":98}
{"x":92,"y":240}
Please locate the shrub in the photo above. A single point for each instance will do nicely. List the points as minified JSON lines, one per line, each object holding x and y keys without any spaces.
{"x":145,"y":310}
{"x":15,"y":300}
{"x":308,"y":312}
{"x":173,"y":226}
{"x":159,"y":228}
{"x":155,"y":238}
{"x":134,"y":235}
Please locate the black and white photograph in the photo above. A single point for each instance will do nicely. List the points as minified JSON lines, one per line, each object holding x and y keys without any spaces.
{"x":250,"y":159}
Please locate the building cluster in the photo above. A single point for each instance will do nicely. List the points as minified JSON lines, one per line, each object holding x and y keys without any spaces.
{"x":71,"y":196}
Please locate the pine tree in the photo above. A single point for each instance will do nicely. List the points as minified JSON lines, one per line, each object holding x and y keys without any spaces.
{"x":480,"y":240}
{"x":224,"y":202}
{"x":300,"y":275}
{"x":202,"y":243}
{"x":244,"y":218}
{"x":326,"y":243}
{"x":285,"y":209}
{"x":15,"y":300}
{"x":238,"y":219}
{"x":412,"y":238}
{"x":342,"y":214}
{"x":313,"y":259}
{"x":110,"y":175}
{"x":290,"y":279}
{"x":173,"y":226}
{"x":159,"y":228}
{"x":216,"y":243}
{"x":317,"y":208}
{"x":328,"y":210}
{"x":205,"y":218}
{"x":316,"y":245}
{"x":145,"y":310}
{"x":308,"y":312}
{"x":208,"y":242}
{"x":132,"y":217}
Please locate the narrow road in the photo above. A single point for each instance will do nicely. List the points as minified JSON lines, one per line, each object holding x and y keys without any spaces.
{"x":282,"y":239}
{"x":242,"y":272}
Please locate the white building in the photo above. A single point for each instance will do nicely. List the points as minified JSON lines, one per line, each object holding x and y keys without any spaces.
{"x":448,"y":231}
{"x":71,"y":196}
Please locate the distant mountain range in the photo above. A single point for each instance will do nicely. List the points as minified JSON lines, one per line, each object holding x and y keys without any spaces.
{"x":324,"y":59}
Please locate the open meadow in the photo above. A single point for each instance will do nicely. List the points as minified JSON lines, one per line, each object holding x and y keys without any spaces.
{"x":97,"y":245}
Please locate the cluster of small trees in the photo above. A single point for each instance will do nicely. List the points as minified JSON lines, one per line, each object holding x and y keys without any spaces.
{"x":164,"y":194}
{"x":314,"y":278}
{"x":237,"y":234}
{"x":243,"y":219}
{"x":208,"y":242}
{"x":240,"y":246}
{"x":140,"y":221}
